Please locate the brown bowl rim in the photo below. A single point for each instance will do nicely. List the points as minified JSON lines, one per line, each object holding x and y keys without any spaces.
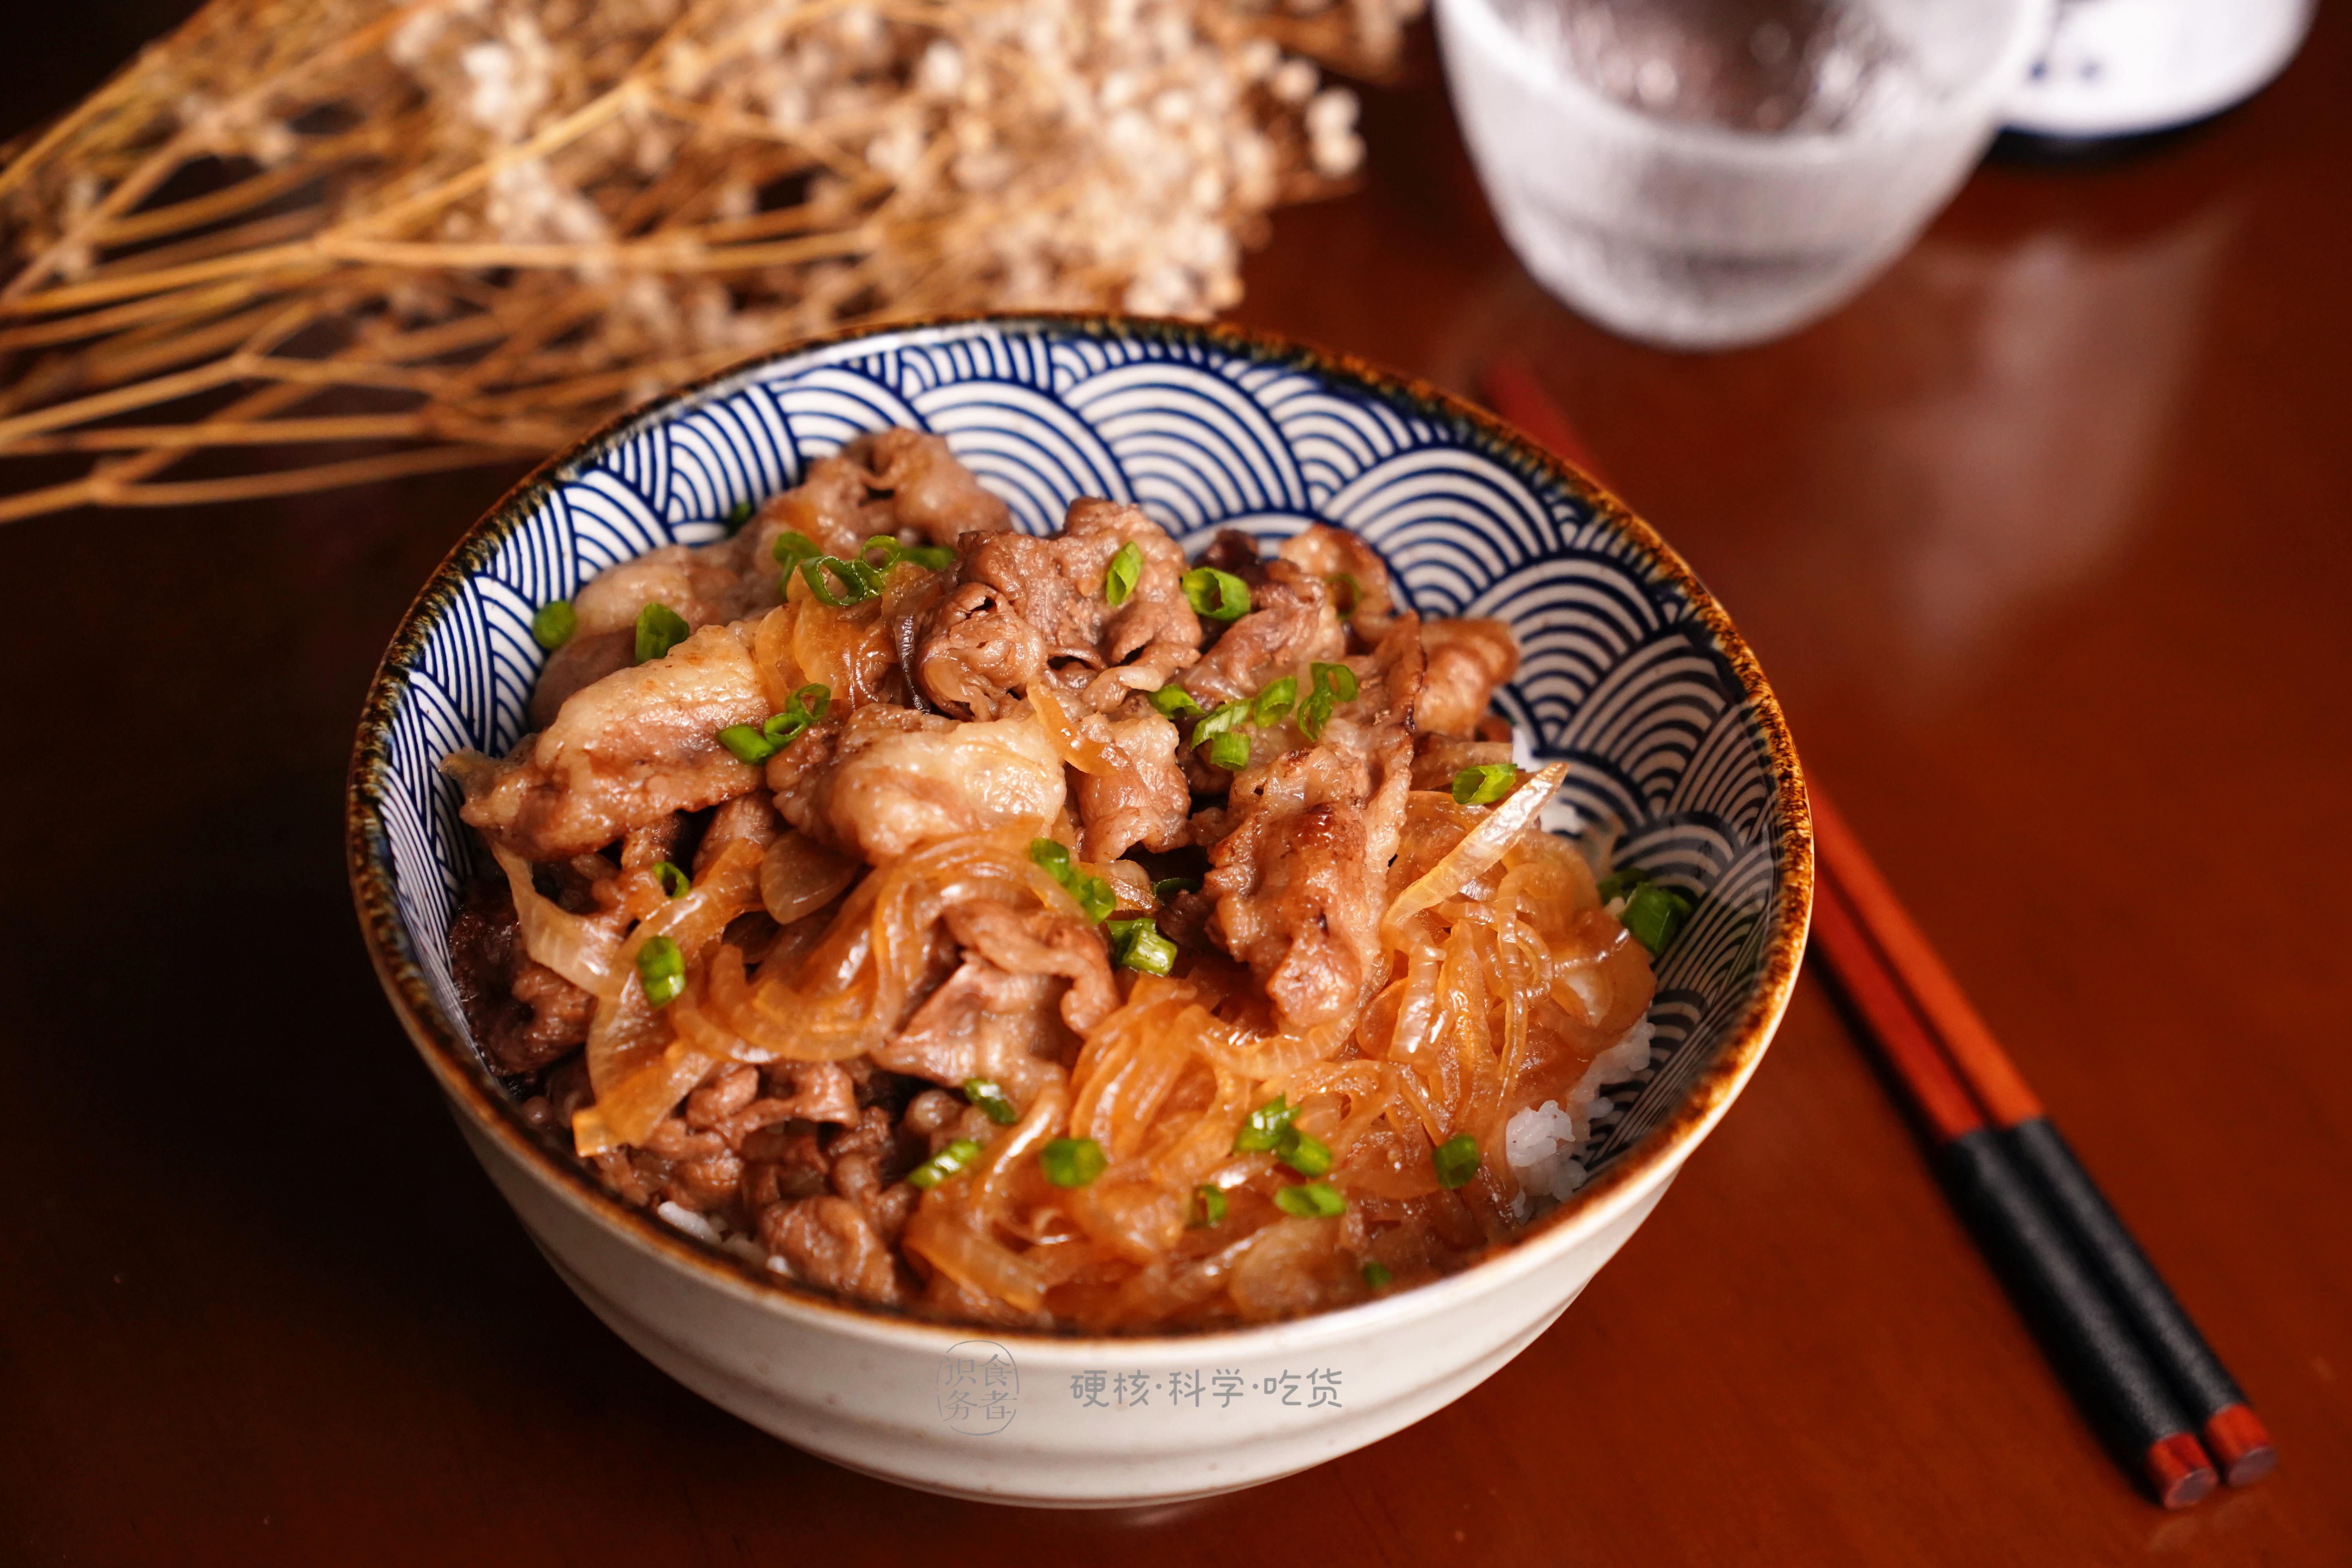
{"x":470,"y":1084}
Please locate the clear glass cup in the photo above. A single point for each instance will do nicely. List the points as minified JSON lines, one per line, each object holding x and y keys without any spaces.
{"x":1705,"y":173}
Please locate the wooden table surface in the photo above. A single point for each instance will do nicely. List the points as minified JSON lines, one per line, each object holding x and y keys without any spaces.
{"x":2044,"y":545}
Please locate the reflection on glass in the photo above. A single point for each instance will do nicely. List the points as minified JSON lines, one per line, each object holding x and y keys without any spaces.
{"x":1892,"y":496}
{"x":2024,"y":470}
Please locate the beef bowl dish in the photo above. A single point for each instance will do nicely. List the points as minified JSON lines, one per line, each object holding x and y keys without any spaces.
{"x":1074,"y":911}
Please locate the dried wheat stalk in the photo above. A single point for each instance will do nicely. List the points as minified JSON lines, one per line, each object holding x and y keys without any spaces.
{"x":431,"y":234}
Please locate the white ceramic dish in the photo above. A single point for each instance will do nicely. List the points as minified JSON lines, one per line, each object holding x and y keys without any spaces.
{"x":1630,"y":670}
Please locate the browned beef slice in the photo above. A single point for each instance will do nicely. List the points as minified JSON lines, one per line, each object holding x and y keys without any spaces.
{"x":523,"y":1014}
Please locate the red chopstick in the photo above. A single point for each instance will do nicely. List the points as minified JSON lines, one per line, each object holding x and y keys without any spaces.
{"x":2123,"y":1392}
{"x":2109,"y":1318}
{"x":2230,"y":1427}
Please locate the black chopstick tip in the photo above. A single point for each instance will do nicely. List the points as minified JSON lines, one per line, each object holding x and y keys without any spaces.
{"x":2241,"y":1445}
{"x":2179,"y":1471}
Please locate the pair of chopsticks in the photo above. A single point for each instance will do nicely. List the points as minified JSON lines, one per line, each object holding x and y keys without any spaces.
{"x":2143,"y":1373}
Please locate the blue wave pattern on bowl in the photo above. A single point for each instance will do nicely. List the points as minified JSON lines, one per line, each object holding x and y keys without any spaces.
{"x":1619,"y":674}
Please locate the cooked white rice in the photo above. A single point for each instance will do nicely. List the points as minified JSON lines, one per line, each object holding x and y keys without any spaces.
{"x":1543,"y":1143}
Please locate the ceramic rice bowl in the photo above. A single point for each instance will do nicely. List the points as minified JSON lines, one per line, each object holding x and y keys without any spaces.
{"x":1630,"y":671}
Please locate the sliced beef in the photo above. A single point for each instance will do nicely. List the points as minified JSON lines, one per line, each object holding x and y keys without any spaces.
{"x":893,"y":482}
{"x":1146,"y":799}
{"x":975,"y":654}
{"x":1021,"y":605}
{"x":1293,"y":619}
{"x":627,"y":752}
{"x":1028,"y":986}
{"x":749,"y":818}
{"x":984,"y":1022}
{"x":522,"y":1014}
{"x":587,"y":658}
{"x":1437,"y":759}
{"x":1357,"y":575}
{"x":1042,"y":941}
{"x":931,"y":494}
{"x":869,"y":1161}
{"x":1300,"y":868}
{"x":887,"y":780}
{"x":830,"y":1242}
{"x":1468,"y":658}
{"x":710,"y":585}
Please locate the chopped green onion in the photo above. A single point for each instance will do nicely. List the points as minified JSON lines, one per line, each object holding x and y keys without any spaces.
{"x":1230,"y":751}
{"x":659,"y":629}
{"x":1350,"y":592}
{"x":661,"y":970}
{"x":1072,"y":1162}
{"x":555,"y":624}
{"x":747,"y":743}
{"x":1455,"y":1160}
{"x":1315,"y":715}
{"x":985,"y":1094}
{"x":1264,"y":1129}
{"x":806,"y":708}
{"x":1377,"y":1276}
{"x":1619,"y":884}
{"x":778,"y":729}
{"x":1096,"y":897}
{"x":1137,"y":946}
{"x":674,"y":882}
{"x":1303,"y":1153}
{"x":1167,"y":888}
{"x":1175,"y":699}
{"x":1217,"y":723}
{"x":1485,"y":784}
{"x":1208,"y":1207}
{"x":791,"y":547}
{"x":930,"y":557}
{"x":737,"y":516}
{"x":944,"y":1164}
{"x":1310,"y":1200}
{"x":858,"y":581}
{"x":1335,"y":679}
{"x":1220,"y":596}
{"x":1278,"y":697}
{"x":1654,"y":915}
{"x":1125,"y":568}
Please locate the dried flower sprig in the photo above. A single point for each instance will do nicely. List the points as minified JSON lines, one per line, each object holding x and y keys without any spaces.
{"x":451,"y":232}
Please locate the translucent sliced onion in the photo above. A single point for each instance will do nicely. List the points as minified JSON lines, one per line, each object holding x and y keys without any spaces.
{"x":1480,"y":848}
{"x":972,"y":1259}
{"x":1086,"y":754}
{"x":713,"y":1040}
{"x":1287,"y":1270}
{"x":634,"y":1088}
{"x":786,"y":1026}
{"x":772,"y":651}
{"x":631,"y":1110}
{"x":1129,"y":881}
{"x":580,"y":950}
{"x":1280,"y":1056}
{"x":801,"y":876}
